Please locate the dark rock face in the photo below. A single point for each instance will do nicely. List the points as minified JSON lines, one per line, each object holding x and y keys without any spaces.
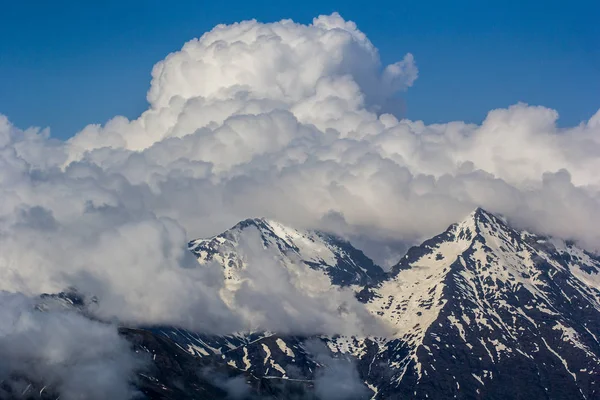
{"x":176,"y":374}
{"x":481,"y":311}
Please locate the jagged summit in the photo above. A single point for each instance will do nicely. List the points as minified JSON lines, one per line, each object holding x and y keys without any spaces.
{"x":343,"y":263}
{"x":501,"y":298}
{"x":258,"y":222}
{"x":460,"y":234}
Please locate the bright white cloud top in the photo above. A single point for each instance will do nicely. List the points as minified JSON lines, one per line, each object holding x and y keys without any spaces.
{"x":279,"y":120}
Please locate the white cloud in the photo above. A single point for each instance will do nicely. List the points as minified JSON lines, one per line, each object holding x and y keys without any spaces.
{"x":277,"y":120}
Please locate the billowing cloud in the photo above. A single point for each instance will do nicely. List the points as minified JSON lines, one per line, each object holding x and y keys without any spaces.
{"x":314,"y":72}
{"x":280,"y":120}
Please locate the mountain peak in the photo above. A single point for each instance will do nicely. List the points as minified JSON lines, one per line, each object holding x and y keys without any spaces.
{"x":481,"y":216}
{"x":461,"y":233}
{"x":257,"y":221}
{"x":342,"y":262}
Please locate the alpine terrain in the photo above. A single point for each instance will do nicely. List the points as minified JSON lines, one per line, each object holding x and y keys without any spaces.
{"x":480,"y":311}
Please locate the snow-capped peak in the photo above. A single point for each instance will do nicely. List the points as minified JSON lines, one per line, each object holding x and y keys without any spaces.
{"x":485,"y":283}
{"x":344,"y":264}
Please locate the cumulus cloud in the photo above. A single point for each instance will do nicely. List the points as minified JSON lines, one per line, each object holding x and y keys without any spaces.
{"x":249,"y":69}
{"x":280,"y":120}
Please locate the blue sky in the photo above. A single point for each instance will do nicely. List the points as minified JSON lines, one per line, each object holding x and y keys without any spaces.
{"x":65,"y":64}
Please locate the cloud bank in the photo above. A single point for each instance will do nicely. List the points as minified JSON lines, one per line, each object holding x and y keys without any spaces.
{"x":280,"y":120}
{"x":61,"y":351}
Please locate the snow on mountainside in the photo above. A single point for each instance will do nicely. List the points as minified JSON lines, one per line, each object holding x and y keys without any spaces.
{"x":479,"y":311}
{"x":344,"y":264}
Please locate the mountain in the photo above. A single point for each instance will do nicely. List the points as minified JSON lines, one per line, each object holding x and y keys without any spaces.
{"x":486,"y":311}
{"x":480,"y":311}
{"x":344,"y":264}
